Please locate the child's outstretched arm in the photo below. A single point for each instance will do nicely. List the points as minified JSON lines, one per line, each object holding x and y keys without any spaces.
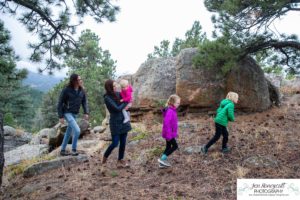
{"x":112,"y":104}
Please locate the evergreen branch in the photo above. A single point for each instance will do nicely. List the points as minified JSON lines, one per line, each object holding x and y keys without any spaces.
{"x":286,"y":55}
{"x":37,"y":10}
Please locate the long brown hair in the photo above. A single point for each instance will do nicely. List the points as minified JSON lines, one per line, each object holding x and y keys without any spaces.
{"x":109,"y":88}
{"x":73,"y":80}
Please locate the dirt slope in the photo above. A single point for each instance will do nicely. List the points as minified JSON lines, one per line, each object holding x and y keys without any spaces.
{"x":264,"y":145}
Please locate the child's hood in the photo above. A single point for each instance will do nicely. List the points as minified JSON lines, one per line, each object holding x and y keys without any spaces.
{"x":225,"y":102}
{"x":164,"y":111}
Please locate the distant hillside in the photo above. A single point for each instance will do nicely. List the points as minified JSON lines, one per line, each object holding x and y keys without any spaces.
{"x":41,"y":82}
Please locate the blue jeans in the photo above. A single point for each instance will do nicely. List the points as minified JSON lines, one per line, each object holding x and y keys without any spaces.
{"x":115,"y":143}
{"x":72,"y":127}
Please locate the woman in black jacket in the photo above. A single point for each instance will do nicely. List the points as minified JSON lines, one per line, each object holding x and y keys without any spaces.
{"x":118,"y":129}
{"x":70,"y":100}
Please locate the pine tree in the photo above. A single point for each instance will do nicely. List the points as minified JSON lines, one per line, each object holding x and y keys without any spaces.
{"x":193,"y":38}
{"x":244,"y":29}
{"x":54,"y":22}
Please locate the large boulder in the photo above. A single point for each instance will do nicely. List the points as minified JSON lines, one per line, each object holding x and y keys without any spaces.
{"x":9,"y":131}
{"x":198,"y":87}
{"x":203,"y":88}
{"x":24,"y":152}
{"x":42,"y":136}
{"x":84,"y":126}
{"x":45,"y":166}
{"x":56,"y":135}
{"x":154,"y":81}
{"x":248,"y":80}
{"x":14,"y":138}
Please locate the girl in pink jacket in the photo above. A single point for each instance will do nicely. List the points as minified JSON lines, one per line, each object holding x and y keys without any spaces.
{"x":169,"y":129}
{"x":126,"y":94}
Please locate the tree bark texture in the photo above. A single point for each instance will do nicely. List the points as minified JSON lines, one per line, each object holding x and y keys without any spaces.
{"x":1,"y":148}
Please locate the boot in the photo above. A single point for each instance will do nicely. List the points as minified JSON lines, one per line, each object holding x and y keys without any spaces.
{"x":122,"y":164}
{"x":104,"y":159}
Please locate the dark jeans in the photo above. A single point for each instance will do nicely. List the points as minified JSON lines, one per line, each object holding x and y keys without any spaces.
{"x":115,"y":143}
{"x":220,"y":130}
{"x":171,"y":147}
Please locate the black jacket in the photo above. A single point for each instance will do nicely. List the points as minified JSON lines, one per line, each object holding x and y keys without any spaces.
{"x":70,"y":101}
{"x":116,"y":124}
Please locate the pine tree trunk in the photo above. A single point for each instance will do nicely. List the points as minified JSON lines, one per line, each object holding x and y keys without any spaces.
{"x":1,"y":148}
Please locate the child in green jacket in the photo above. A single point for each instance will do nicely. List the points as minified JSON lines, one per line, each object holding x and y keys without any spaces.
{"x":225,"y":113}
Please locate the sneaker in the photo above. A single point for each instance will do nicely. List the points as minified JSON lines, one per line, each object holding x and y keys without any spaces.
{"x":74,"y":153}
{"x":204,"y":150}
{"x":162,"y":166}
{"x":164,"y":162}
{"x":226,"y":150}
{"x":64,"y":153}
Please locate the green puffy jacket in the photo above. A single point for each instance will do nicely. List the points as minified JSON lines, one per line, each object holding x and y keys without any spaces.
{"x":225,"y":112}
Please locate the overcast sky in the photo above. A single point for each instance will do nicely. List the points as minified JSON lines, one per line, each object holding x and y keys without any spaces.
{"x":140,"y":26}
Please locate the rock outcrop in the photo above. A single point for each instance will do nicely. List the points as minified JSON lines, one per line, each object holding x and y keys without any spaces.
{"x":248,"y":80}
{"x":24,"y":152}
{"x":205,"y":88}
{"x":15,"y":138}
{"x":56,"y":136}
{"x":201,"y":89}
{"x":42,"y":136}
{"x":39,"y":168}
{"x":154,"y":81}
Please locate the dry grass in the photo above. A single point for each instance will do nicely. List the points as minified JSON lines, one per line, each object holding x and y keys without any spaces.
{"x":287,"y":90}
{"x":19,"y":132}
{"x":241,"y":172}
{"x":14,"y":170}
